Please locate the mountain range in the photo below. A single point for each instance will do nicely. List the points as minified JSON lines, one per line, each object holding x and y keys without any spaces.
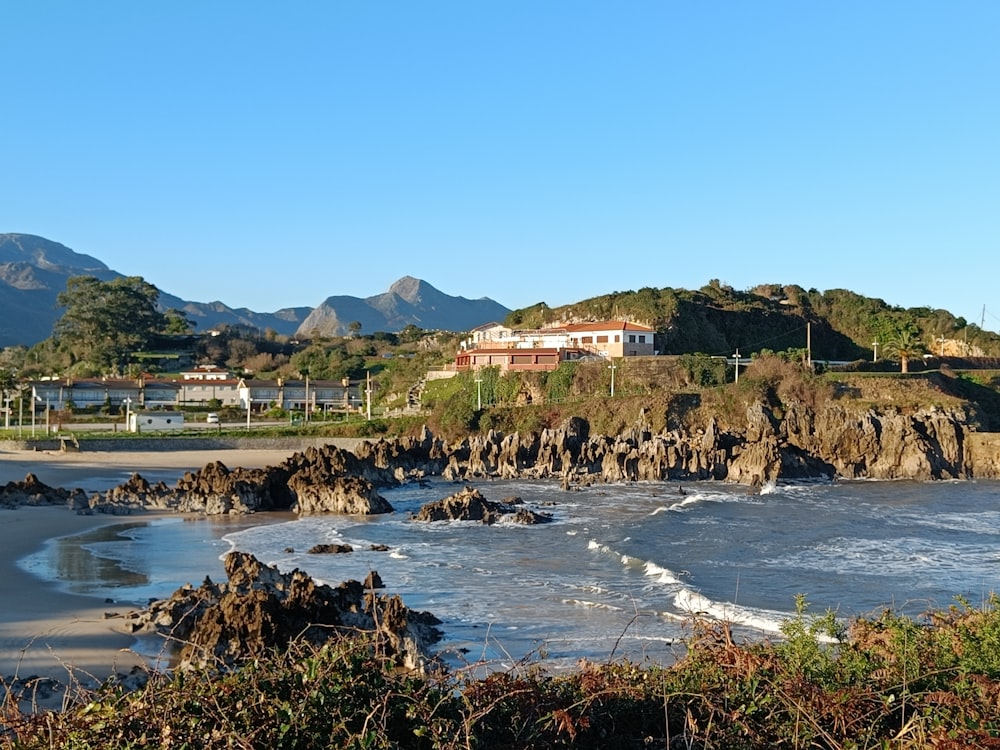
{"x":34,"y":270}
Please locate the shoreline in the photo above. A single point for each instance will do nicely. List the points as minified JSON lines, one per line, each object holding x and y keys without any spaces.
{"x":46,"y":631}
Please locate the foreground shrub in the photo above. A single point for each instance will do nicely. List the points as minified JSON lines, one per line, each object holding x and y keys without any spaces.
{"x":885,"y":682}
{"x":341,"y":695}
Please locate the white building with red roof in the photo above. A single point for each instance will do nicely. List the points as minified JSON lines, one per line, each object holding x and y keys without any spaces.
{"x":495,"y":345}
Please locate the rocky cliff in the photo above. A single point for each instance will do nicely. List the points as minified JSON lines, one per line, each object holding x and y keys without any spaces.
{"x":832,"y":442}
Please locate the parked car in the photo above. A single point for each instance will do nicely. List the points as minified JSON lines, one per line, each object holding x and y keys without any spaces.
{"x":212,"y":418}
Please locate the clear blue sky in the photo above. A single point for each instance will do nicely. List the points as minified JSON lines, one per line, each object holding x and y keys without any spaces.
{"x":274,"y":154}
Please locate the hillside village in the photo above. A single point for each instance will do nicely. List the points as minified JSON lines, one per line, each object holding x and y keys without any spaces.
{"x":343,"y":367}
{"x":208,"y":386}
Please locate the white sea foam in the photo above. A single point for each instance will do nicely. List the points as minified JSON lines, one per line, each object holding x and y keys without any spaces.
{"x":764,"y":621}
{"x":662,"y":575}
{"x":678,"y":506}
{"x":693,"y":603}
{"x":591,"y":605}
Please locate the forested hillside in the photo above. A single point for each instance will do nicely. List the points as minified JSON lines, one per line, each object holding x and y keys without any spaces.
{"x":716,"y":319}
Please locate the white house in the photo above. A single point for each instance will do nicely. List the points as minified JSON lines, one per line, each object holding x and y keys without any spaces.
{"x":492,"y":345}
{"x":612,"y":338}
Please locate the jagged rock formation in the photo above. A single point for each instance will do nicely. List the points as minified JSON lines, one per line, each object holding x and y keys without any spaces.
{"x":31,"y":491}
{"x":470,"y":505}
{"x":342,"y":494}
{"x":314,"y":482}
{"x":260,"y":608}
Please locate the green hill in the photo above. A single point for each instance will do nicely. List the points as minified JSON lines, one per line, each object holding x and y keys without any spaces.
{"x":716,"y":319}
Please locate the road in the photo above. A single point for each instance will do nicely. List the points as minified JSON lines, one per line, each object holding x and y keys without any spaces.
{"x":119,"y":426}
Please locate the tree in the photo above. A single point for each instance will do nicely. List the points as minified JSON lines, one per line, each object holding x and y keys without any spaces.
{"x":905,"y":346}
{"x":177,"y":322}
{"x":354,"y":327}
{"x":107,"y":320}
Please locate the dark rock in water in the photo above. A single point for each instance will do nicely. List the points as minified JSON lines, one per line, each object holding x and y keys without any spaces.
{"x":379,"y":547}
{"x":260,"y":608}
{"x":330,"y":549}
{"x":470,"y":505}
{"x":31,"y":491}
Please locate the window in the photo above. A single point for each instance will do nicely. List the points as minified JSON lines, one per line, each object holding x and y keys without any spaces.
{"x":602,"y":339}
{"x":631,"y":338}
{"x":642,"y":339}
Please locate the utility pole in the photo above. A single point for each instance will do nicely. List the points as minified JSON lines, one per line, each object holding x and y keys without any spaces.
{"x":612,"y":367}
{"x":875,"y":350}
{"x":368,"y":392}
{"x":479,"y":394}
{"x":809,"y":348}
{"x":737,"y":365}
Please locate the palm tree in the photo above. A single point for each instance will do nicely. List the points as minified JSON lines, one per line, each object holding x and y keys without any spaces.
{"x":905,"y":345}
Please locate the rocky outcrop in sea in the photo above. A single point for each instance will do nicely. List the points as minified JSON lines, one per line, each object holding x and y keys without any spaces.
{"x":470,"y":505}
{"x":31,"y":491}
{"x":260,"y":608}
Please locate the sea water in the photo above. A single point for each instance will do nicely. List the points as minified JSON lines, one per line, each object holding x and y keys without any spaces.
{"x":619,"y":572}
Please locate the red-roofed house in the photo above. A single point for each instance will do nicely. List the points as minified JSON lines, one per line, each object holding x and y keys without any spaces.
{"x":495,"y":345}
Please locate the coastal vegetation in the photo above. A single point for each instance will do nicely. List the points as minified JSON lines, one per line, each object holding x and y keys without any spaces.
{"x":886,"y":681}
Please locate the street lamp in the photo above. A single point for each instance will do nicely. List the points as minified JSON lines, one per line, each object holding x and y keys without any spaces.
{"x":479,"y":394}
{"x":127,"y":401}
{"x":249,"y":401}
{"x":612,"y":367}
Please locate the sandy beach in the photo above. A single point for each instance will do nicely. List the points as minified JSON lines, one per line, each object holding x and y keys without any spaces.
{"x":48,"y":632}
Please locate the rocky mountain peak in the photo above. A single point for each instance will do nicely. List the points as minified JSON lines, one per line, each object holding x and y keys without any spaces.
{"x":409,"y":289}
